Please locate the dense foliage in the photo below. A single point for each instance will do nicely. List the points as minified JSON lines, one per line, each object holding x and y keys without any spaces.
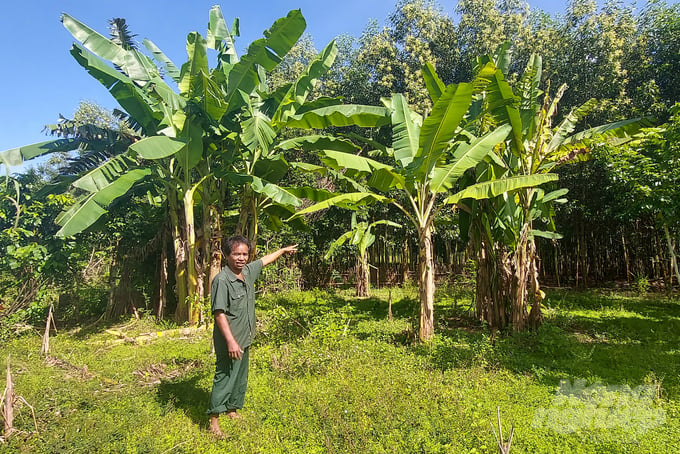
{"x":224,"y":153}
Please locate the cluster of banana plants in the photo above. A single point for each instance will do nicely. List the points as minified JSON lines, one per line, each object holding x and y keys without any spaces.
{"x":503,"y":228}
{"x":216,"y":133}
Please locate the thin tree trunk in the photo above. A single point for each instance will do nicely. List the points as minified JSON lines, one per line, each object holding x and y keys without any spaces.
{"x":671,"y":253}
{"x":163,"y":278}
{"x":557,"y":264}
{"x":585,"y":268}
{"x":405,"y":259}
{"x":8,"y":405}
{"x":389,"y":305}
{"x":45,"y":348}
{"x":626,"y":258}
{"x":114,"y":282}
{"x":578,"y":260}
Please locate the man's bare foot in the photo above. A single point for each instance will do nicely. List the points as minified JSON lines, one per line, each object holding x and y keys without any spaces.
{"x":217,"y":432}
{"x":215,"y":426}
{"x":232,"y":414}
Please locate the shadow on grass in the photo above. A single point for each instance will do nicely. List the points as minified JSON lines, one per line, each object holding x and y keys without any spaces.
{"x":287,"y":317}
{"x":185,"y":394}
{"x":377,"y":309}
{"x":607,"y":339}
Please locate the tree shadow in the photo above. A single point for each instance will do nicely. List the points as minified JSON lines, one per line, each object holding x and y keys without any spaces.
{"x":185,"y":394}
{"x":599,"y":338}
{"x":553,"y":354}
{"x":377,"y":308}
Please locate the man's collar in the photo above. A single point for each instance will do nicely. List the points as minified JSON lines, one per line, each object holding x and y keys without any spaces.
{"x":231,"y":275}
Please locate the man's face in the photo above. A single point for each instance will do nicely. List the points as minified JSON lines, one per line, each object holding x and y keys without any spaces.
{"x":238,"y":258}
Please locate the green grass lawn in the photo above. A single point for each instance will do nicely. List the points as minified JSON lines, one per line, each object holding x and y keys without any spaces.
{"x":330,"y":374}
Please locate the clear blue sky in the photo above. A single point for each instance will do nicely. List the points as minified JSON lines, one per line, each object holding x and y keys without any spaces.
{"x":40,"y":79}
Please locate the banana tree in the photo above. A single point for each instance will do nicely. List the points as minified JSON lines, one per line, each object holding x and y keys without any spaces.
{"x":430,"y":156}
{"x":181,"y":134}
{"x":503,"y":229}
{"x":362,"y":237}
{"x":254,"y":162}
{"x":254,"y":159}
{"x":221,"y":129}
{"x":185,"y":129}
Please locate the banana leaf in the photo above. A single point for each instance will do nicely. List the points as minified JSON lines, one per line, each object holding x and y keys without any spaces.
{"x":350,"y":200}
{"x":87,"y":210}
{"x":341,"y":115}
{"x":490,"y":189}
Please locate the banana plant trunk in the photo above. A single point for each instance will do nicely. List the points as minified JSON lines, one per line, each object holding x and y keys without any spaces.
{"x":536,"y":313}
{"x":215,"y":251}
{"x":163,"y":277}
{"x":247,"y":223}
{"x":194,"y":290}
{"x":493,"y":285}
{"x":363,"y":276}
{"x":521,"y":262}
{"x":178,"y":242}
{"x":426,"y":285}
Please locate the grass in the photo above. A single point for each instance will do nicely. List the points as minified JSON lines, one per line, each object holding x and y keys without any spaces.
{"x":330,"y":374}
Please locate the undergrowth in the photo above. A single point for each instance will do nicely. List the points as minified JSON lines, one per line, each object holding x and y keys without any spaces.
{"x":331,"y":374}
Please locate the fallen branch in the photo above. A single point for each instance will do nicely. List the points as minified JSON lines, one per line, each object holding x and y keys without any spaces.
{"x":82,"y":372}
{"x":145,"y":337}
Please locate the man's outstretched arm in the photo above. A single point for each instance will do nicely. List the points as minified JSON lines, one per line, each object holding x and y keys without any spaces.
{"x":274,"y":256}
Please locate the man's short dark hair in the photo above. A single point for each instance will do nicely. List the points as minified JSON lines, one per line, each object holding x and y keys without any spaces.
{"x":235,"y":240}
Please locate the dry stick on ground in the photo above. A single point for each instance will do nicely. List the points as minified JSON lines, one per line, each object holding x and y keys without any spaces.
{"x":503,"y":447}
{"x":8,"y":403}
{"x":9,"y":400}
{"x":44,"y":350}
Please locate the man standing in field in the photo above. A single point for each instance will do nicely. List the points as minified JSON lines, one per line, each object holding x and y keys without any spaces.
{"x":233,"y":306}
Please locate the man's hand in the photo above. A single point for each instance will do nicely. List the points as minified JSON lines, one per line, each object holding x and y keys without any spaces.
{"x":235,"y":350}
{"x":274,"y":256}
{"x":289,"y":249}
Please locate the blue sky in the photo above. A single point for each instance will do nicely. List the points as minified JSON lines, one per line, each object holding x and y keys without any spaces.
{"x":40,"y":79}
